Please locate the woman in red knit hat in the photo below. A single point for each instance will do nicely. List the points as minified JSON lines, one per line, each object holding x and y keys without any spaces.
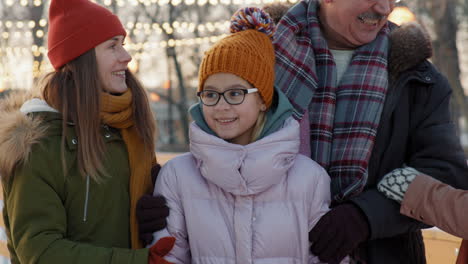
{"x":80,"y":156}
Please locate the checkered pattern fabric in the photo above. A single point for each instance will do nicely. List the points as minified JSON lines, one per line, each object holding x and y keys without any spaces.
{"x":344,"y":117}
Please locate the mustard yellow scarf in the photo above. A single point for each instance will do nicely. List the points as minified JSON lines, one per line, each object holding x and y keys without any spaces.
{"x":117,"y":112}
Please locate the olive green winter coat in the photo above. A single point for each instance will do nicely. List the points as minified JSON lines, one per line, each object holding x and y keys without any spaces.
{"x":55,"y":218}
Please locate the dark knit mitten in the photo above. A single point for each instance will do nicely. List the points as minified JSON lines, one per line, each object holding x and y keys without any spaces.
{"x":151,"y":212}
{"x":395,"y":183}
{"x":338,"y":233}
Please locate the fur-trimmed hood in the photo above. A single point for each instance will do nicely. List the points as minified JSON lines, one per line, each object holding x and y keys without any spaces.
{"x":19,"y":131}
{"x":410,"y":43}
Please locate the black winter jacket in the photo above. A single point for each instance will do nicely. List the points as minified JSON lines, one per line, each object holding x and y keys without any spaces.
{"x":415,"y":130}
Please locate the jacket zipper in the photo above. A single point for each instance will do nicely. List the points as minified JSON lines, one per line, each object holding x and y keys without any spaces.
{"x":85,"y":213}
{"x":85,"y":210}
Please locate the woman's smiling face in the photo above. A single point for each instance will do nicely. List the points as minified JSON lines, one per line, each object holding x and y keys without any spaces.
{"x":112,"y":61}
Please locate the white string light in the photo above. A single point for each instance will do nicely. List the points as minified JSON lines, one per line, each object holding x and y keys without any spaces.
{"x":42,"y":22}
{"x":39,"y":33}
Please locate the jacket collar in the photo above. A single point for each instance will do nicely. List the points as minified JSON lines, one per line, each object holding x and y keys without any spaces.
{"x":36,"y":105}
{"x":250,"y":169}
{"x":410,"y":46}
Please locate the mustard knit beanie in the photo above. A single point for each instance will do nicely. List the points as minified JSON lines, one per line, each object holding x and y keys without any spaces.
{"x":248,"y":52}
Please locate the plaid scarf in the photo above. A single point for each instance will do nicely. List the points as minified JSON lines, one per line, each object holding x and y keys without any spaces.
{"x":343,"y":119}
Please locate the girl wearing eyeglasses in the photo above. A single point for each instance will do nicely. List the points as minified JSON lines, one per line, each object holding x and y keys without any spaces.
{"x":243,"y":194}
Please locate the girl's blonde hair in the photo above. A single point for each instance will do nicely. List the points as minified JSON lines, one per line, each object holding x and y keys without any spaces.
{"x":258,"y":127}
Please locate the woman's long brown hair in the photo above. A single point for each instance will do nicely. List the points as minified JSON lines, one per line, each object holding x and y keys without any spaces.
{"x":75,"y":91}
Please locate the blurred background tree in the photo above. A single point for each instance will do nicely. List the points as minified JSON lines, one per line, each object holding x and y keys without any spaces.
{"x":447,"y":22}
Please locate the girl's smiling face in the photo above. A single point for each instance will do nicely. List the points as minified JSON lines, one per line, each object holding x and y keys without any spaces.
{"x":233,"y":123}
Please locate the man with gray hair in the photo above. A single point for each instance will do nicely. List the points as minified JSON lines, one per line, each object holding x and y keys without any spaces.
{"x":369,"y":103}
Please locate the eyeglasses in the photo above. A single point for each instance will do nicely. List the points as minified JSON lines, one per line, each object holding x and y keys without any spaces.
{"x":231,"y":96}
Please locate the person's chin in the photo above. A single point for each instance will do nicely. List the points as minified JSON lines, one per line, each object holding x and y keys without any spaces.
{"x":363,"y":39}
{"x":224,"y":135}
{"x":119,"y":91}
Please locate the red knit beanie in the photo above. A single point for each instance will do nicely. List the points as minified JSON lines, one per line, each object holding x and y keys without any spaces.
{"x":76,"y":26}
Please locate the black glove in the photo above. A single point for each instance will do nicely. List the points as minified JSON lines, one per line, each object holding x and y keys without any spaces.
{"x":151,"y":212}
{"x":338,"y":233}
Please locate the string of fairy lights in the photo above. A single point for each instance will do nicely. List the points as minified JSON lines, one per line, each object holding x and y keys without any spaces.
{"x":24,"y":29}
{"x":21,"y":29}
{"x":13,"y":32}
{"x":124,"y":3}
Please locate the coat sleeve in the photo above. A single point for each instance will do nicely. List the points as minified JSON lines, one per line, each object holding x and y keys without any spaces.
{"x":433,"y":148}
{"x":167,"y":186}
{"x":463,"y":253}
{"x":435,"y":203}
{"x":383,"y":215}
{"x":320,"y":205}
{"x":37,"y":221}
{"x":320,"y":198}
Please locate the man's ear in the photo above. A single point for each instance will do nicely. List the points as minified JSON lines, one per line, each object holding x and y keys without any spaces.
{"x":263,"y":107}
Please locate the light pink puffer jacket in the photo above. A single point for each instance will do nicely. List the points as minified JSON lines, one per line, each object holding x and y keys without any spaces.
{"x":243,"y":204}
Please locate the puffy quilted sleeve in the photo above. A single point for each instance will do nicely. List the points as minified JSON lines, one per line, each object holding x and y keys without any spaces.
{"x":167,"y":185}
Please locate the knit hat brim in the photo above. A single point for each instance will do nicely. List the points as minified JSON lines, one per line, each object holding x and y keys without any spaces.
{"x":79,"y":42}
